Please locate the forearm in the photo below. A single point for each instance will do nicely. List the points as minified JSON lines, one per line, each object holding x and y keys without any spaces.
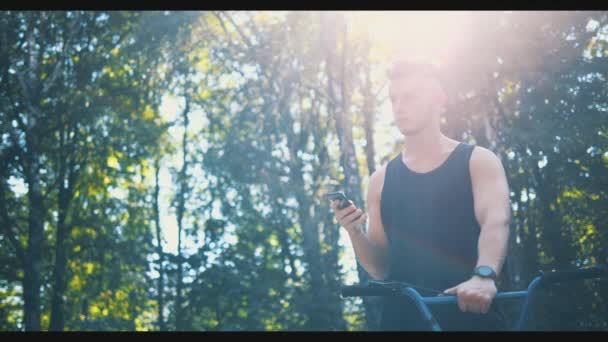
{"x":493,"y":245}
{"x":371,"y":257}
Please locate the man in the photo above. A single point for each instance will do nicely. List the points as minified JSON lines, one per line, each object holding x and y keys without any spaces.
{"x":438,"y":213}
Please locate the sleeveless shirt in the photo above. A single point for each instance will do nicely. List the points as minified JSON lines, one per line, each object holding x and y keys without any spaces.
{"x":432,"y":232}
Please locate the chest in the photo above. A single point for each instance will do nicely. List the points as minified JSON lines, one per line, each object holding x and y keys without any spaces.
{"x":428,"y":205}
{"x":426,"y":164}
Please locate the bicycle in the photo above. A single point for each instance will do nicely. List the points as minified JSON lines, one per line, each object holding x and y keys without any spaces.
{"x":394,"y":288}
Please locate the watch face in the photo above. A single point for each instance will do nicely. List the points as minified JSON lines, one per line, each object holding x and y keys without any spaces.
{"x":485,"y":271}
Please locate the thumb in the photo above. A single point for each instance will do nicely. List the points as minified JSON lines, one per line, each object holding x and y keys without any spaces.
{"x":451,"y":290}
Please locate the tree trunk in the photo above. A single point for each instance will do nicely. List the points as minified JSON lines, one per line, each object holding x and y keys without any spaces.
{"x":317,"y":314}
{"x":31,"y":165}
{"x":31,"y":280}
{"x":6,"y":222}
{"x":558,"y":245}
{"x":59,"y":272}
{"x":369,"y":107}
{"x":179,"y":314}
{"x":318,"y":319}
{"x":348,"y":160}
{"x":159,"y":248}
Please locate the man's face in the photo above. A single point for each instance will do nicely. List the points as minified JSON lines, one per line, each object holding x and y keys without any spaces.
{"x":416,"y":102}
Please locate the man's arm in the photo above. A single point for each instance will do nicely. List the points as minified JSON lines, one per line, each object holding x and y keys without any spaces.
{"x":371,"y":249}
{"x":491,"y":194}
{"x":491,"y":197}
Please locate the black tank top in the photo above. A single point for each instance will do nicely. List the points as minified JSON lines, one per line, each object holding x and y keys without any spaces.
{"x":430,"y":224}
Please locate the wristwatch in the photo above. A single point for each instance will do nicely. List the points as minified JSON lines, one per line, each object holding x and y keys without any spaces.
{"x":485,"y":272}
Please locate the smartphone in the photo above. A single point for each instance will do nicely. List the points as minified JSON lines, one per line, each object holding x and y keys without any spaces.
{"x":338,"y":195}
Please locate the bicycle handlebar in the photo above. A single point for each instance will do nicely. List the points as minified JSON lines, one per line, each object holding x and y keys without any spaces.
{"x":579,"y":274}
{"x":366,"y":290}
{"x":378,"y":289}
{"x":404,"y":289}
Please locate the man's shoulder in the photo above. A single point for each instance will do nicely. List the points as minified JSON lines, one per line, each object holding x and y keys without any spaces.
{"x":379,"y":173}
{"x":484,"y":160}
{"x":482,"y":155}
{"x":376,"y":180}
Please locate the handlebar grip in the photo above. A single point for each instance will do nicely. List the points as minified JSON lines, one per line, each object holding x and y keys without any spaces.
{"x":360,"y":290}
{"x":585,"y":273}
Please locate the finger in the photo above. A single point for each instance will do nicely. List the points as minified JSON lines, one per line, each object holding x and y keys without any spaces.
{"x":481,"y":304}
{"x":477,"y":303}
{"x":338,"y":208}
{"x":474,"y":308}
{"x":359,"y":221}
{"x":342,"y":205}
{"x":486,"y":302}
{"x":486,"y":307}
{"x":363,"y":218}
{"x":352,"y":217}
{"x":462,"y":304}
{"x":343,"y":216}
{"x":451,"y":290}
{"x":335,"y":206}
{"x":462,"y":300}
{"x":469,"y":302}
{"x":342,"y":213}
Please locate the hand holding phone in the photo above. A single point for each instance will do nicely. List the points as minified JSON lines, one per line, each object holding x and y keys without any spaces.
{"x":349,"y":218}
{"x":339,"y":195}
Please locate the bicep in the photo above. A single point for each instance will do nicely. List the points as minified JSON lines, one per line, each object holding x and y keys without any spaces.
{"x":490,"y":189}
{"x":375,"y":231}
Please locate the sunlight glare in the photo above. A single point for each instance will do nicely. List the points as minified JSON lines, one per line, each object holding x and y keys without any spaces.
{"x":420,"y":35}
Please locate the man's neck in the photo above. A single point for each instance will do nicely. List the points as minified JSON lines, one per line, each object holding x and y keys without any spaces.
{"x":425,"y":144}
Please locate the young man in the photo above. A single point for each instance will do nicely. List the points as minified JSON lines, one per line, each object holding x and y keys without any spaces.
{"x":438,"y":213}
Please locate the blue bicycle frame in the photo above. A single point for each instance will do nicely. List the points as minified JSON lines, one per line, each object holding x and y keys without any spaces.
{"x":401,"y":289}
